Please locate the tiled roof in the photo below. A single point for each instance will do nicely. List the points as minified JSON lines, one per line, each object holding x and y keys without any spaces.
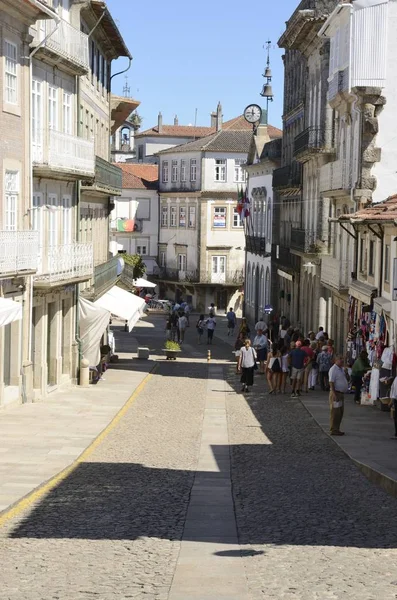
{"x":240,"y":124}
{"x":236,"y":124}
{"x":222,"y":141}
{"x":176,"y":131}
{"x":139,"y":176}
{"x":380,"y":211}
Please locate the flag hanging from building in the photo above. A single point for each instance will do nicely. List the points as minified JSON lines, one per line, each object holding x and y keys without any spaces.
{"x":240,"y":200}
{"x":245,"y":210}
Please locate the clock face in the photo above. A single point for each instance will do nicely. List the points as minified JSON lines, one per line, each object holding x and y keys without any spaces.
{"x":253,"y":113}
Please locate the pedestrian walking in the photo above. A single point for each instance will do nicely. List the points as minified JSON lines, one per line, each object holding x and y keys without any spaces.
{"x":297,"y":362}
{"x":187,"y":314}
{"x":260,"y":324}
{"x":324,"y":361}
{"x":360,"y":367}
{"x":168,"y":328}
{"x":338,"y":387}
{"x":308,"y":364}
{"x":284,"y":367}
{"x":174,"y":327}
{"x":273,"y":370}
{"x":320,"y":333}
{"x":182,"y":324}
{"x":212,"y":309}
{"x":231,"y":321}
{"x":313,"y":375}
{"x":200,"y":328}
{"x":237,"y":347}
{"x":211,"y":324}
{"x":247,"y":364}
{"x":244,"y":329}
{"x":260,"y":345}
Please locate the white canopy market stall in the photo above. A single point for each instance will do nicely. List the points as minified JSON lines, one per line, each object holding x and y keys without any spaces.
{"x":122,"y":304}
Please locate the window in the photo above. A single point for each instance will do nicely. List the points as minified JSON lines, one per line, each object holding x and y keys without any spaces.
{"x":371,"y":257}
{"x":164,"y":216}
{"x":36,"y":120}
{"x":11,"y":200}
{"x":97,"y":68}
{"x":182,"y":262}
{"x":239,"y":173}
{"x":219,"y":217}
{"x":236,"y":219}
{"x":162,"y":258}
{"x":141,"y":249}
{"x":193,"y":169}
{"x":52,"y":107}
{"x":140,"y":152}
{"x":105,"y":77}
{"x":37,"y":217}
{"x":361,"y":255}
{"x":183,"y":170}
{"x":165,"y":171}
{"x":11,"y":80}
{"x":173,"y":216}
{"x":220,"y":170}
{"x":52,"y":213}
{"x":192,"y":216}
{"x":102,"y":72}
{"x":387,"y":263}
{"x":92,"y":61}
{"x":182,"y":216}
{"x":67,"y":219}
{"x":174,"y":173}
{"x":67,"y":112}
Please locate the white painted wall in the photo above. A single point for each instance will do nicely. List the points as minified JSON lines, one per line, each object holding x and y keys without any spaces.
{"x":208,"y":174}
{"x":142,"y":205}
{"x":177,"y":185}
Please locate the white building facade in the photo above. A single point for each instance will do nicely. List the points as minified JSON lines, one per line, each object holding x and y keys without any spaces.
{"x":135,"y":218}
{"x":259,"y":225}
{"x":201,"y":240}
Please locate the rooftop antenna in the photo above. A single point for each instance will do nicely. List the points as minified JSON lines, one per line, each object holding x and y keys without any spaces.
{"x":267,"y":91}
{"x":126,"y":88}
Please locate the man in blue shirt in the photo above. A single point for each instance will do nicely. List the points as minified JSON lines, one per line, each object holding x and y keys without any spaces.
{"x":297,"y":358}
{"x":231,"y":321}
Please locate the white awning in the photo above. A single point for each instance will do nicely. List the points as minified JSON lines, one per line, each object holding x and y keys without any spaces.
{"x":144,"y":283}
{"x":151,"y":265}
{"x":93,"y":322}
{"x":9,"y":311}
{"x":122,"y":304}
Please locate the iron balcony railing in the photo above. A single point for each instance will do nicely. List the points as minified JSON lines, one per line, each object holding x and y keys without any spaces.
{"x":313,"y":139}
{"x":176,"y":275}
{"x":64,"y":152}
{"x":19,"y":252}
{"x":334,"y":176}
{"x":229,"y":277}
{"x":288,"y":177}
{"x":66,"y":42}
{"x":255,"y":244}
{"x":303,"y":240}
{"x":105,"y":275}
{"x":65,"y":263}
{"x":108,"y":178}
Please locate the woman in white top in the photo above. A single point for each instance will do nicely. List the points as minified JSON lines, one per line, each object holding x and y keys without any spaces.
{"x":246,"y":365}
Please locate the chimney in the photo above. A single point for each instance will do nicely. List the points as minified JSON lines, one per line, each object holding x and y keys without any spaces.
{"x":160,"y":123}
{"x":213,"y":120}
{"x":219,"y":117}
{"x":176,"y":122}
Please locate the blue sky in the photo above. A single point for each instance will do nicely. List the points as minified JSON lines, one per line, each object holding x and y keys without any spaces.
{"x":191,"y":55}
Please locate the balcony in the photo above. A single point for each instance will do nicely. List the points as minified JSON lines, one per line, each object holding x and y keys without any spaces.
{"x":281,"y":256}
{"x":256,"y":245}
{"x":304,"y":241}
{"x":288,"y":179}
{"x":335,"y":273}
{"x":66,"y":47}
{"x":313,"y":140}
{"x":229,"y":278}
{"x":63,"y":155}
{"x":179,"y":276}
{"x":71,"y":263}
{"x":108,"y":179}
{"x":334,"y":178}
{"x":105,"y":276}
{"x":19,"y":252}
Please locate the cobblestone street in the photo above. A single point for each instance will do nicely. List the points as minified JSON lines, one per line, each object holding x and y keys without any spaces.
{"x":132,"y":520}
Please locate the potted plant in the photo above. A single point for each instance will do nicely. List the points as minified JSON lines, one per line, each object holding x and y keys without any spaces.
{"x":171,"y":349}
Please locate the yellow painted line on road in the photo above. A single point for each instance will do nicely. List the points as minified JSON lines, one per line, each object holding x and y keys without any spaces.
{"x":45,"y":488}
